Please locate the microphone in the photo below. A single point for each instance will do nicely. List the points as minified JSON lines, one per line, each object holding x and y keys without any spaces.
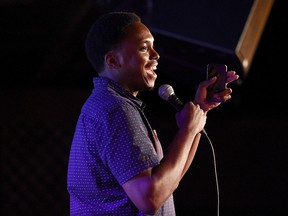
{"x":166,"y":92}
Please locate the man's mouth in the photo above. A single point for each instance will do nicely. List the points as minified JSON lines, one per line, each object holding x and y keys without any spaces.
{"x":152,"y":69}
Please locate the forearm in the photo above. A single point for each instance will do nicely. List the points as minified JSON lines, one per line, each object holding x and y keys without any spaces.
{"x":191,"y":153}
{"x":173,"y":166}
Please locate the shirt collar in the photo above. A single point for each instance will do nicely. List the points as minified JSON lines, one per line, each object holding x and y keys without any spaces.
{"x":118,"y":88}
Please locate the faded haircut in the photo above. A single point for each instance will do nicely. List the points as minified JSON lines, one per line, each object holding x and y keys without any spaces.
{"x":105,"y":34}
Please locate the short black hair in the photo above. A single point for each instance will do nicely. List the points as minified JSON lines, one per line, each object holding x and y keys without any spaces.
{"x":105,"y":34}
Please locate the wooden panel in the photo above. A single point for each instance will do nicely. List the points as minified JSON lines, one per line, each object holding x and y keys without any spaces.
{"x":252,"y":32}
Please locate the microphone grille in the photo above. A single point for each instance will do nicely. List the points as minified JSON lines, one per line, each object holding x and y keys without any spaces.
{"x":165,"y":91}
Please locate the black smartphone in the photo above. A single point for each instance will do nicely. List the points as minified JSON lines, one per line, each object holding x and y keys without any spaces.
{"x":220,"y":71}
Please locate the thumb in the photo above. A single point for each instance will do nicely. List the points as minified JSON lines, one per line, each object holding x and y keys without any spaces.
{"x":206,"y":83}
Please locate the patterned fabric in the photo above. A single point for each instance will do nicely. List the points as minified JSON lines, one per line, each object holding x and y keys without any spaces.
{"x":113,"y":142}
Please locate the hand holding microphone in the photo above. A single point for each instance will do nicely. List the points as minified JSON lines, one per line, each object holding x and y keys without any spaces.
{"x":166,"y":92}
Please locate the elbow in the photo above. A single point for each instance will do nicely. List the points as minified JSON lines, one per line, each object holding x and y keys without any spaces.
{"x":148,"y":194}
{"x":150,"y":207}
{"x":153,"y":201}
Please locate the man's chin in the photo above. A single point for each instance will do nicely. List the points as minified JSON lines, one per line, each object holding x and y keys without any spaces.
{"x":150,"y":85}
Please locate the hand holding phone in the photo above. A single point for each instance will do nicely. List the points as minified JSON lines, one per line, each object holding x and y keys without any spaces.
{"x":219,"y":71}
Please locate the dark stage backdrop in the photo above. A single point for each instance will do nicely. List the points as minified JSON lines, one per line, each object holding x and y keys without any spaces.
{"x":45,"y":78}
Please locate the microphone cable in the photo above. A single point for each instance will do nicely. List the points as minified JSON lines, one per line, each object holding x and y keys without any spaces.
{"x":215,"y":171}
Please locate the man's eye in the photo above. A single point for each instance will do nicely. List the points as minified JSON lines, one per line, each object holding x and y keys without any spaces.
{"x":144,"y":48}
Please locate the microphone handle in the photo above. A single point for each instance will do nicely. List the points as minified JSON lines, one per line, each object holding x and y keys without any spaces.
{"x":175,"y":102}
{"x":178,"y":105}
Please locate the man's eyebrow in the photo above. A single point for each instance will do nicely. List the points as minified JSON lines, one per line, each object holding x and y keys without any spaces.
{"x":148,"y":40}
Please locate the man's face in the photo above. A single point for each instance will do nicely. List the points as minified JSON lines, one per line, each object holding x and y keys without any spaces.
{"x":137,"y":59}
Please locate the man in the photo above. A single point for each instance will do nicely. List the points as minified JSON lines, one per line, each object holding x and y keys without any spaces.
{"x":116,"y":164}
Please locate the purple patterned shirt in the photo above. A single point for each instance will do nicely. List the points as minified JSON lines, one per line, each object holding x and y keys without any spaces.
{"x":113,"y":142}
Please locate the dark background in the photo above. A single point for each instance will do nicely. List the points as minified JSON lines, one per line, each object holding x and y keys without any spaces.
{"x":45,"y":78}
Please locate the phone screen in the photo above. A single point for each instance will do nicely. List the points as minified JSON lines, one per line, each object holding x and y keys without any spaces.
{"x":218,"y":70}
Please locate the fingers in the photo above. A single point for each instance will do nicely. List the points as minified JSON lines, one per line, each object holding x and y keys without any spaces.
{"x":207,"y":83}
{"x":222,"y":96}
{"x":190,"y":115}
{"x":195,"y":107}
{"x":225,"y":95}
{"x":199,"y":109}
{"x":231,"y":76}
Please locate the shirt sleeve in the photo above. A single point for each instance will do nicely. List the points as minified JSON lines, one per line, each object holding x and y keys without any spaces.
{"x":124,"y":144}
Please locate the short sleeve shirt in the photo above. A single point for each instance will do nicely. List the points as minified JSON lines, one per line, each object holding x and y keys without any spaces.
{"x":112,"y":143}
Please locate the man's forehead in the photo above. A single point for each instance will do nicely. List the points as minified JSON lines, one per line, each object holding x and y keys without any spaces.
{"x":140,"y":32}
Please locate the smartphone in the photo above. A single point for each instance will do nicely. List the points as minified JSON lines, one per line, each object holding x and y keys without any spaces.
{"x":220,"y":71}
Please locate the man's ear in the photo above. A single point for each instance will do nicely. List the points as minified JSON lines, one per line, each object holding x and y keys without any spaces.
{"x":112,"y":60}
